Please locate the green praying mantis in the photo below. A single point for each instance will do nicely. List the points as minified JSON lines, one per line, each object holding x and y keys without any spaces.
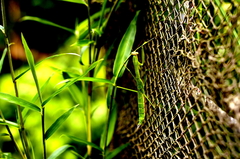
{"x":140,"y":85}
{"x":140,"y":89}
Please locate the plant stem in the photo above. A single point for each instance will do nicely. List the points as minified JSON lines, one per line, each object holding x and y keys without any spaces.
{"x":43,"y":134}
{"x":89,"y":126}
{"x":22,"y":131}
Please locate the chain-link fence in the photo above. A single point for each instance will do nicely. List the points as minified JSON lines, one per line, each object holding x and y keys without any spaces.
{"x":192,"y":78}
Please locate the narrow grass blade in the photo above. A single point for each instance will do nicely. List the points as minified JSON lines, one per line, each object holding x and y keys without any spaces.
{"x":31,"y":63}
{"x":46,"y":22}
{"x":4,"y":134}
{"x":70,"y":82}
{"x":116,"y":151}
{"x":92,"y":79}
{"x":58,"y":55}
{"x":2,"y":29}
{"x":52,"y":129}
{"x":84,"y":142}
{"x":125,"y":47}
{"x":76,"y":1}
{"x":59,"y":151}
{"x":9,"y":123}
{"x":19,"y":101}
{"x":2,"y":58}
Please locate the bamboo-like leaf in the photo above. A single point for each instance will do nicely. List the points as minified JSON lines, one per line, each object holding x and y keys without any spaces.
{"x":2,"y":58}
{"x":76,"y":1}
{"x":9,"y":123}
{"x":92,"y":79}
{"x":57,"y":55}
{"x":52,"y":129}
{"x":2,"y":29}
{"x":111,"y":127}
{"x":84,"y":42}
{"x":31,"y":64}
{"x":70,"y":82}
{"x":4,"y":134}
{"x":116,"y":151}
{"x":59,"y":151}
{"x":46,"y":22}
{"x":125,"y":47}
{"x":84,"y":142}
{"x":19,"y":101}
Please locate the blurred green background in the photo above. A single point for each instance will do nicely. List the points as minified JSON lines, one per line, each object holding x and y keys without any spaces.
{"x":45,"y":40}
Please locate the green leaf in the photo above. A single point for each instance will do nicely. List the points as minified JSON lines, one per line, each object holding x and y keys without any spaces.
{"x":2,"y":58}
{"x":9,"y":123}
{"x":111,"y":127}
{"x":70,"y":82}
{"x":125,"y":47}
{"x":52,"y":129}
{"x":19,"y":101}
{"x":2,"y":29}
{"x":59,"y":151}
{"x":4,"y":134}
{"x":76,"y":1}
{"x":31,"y":63}
{"x":84,"y":142}
{"x":57,"y":55}
{"x":116,"y":151}
{"x":46,"y":22}
{"x":84,"y":42}
{"x":92,"y":79}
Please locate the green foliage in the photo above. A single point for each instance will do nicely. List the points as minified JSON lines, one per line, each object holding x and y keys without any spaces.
{"x":52,"y":86}
{"x":46,"y":22}
{"x":59,"y":151}
{"x":125,"y":47}
{"x":58,"y":123}
{"x":18,"y":101}
{"x":76,"y":1}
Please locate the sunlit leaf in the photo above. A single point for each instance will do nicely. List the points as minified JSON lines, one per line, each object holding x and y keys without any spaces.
{"x":59,"y":151}
{"x":2,"y":29}
{"x":58,"y":122}
{"x":31,"y":64}
{"x":70,"y":82}
{"x":84,"y":42}
{"x":76,"y":1}
{"x":57,"y":55}
{"x":111,"y":128}
{"x":19,"y":101}
{"x":84,"y":142}
{"x":92,"y":79}
{"x":4,"y":134}
{"x":46,"y":22}
{"x":9,"y":123}
{"x":116,"y":151}
{"x":98,"y":31}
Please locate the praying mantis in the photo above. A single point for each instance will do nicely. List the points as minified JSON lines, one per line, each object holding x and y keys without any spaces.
{"x":140,"y":89}
{"x":140,"y":85}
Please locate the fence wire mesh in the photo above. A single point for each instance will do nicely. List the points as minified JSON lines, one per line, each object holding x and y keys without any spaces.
{"x":192,"y":78}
